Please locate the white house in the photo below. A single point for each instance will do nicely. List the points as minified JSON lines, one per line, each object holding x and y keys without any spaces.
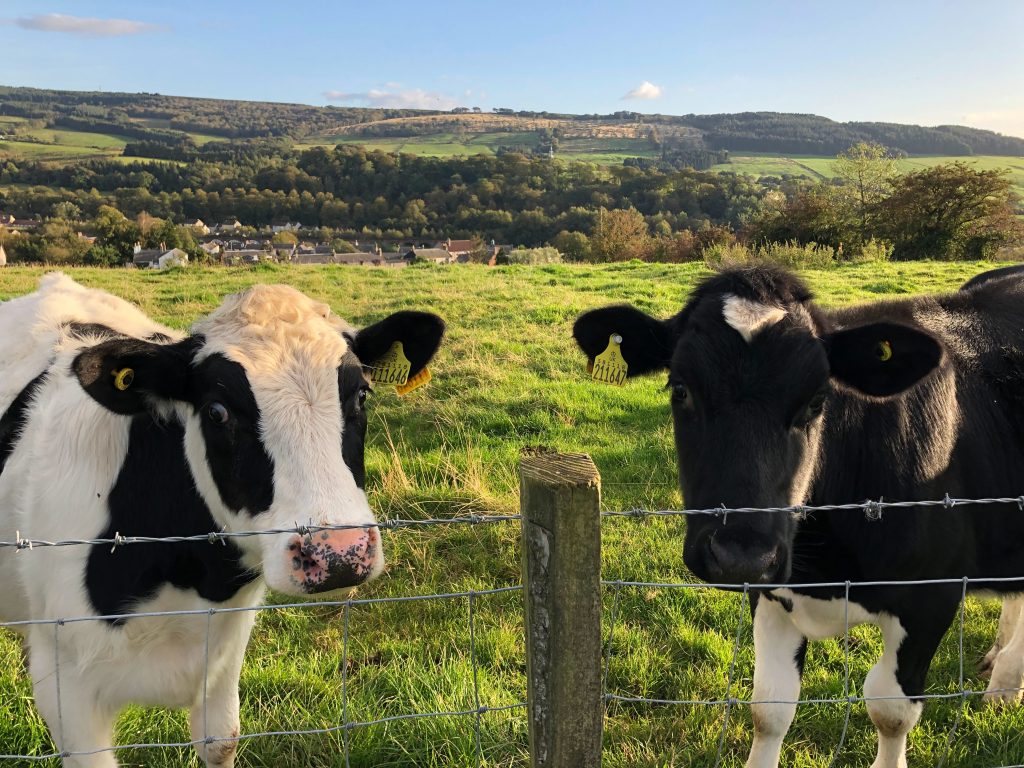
{"x":159,"y":258}
{"x":3,"y":257}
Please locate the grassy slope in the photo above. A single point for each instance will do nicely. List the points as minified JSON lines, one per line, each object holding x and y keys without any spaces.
{"x":821,"y":167}
{"x":509,"y":376}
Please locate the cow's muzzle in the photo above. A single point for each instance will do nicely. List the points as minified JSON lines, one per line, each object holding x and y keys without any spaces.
{"x":330,"y":560}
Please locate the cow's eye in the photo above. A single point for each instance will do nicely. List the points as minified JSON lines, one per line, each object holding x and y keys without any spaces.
{"x":812,"y":411}
{"x":363,"y":394}
{"x":681,"y":395}
{"x":217,"y":413}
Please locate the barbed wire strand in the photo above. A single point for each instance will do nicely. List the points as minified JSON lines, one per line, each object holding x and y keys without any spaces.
{"x":871,"y":508}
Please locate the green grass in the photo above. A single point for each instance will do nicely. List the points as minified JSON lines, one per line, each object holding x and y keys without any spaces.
{"x":821,"y":167}
{"x":508,"y":376}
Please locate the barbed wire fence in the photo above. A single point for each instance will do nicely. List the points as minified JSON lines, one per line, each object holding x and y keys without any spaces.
{"x":556,"y":717}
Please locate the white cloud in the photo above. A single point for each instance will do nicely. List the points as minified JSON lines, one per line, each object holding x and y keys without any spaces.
{"x":409,"y":98}
{"x":646,"y":90}
{"x":85,"y":27}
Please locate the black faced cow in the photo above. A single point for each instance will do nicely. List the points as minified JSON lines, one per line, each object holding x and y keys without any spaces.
{"x":777,"y":403}
{"x":112,"y":424}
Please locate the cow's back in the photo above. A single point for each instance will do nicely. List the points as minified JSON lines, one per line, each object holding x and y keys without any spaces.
{"x":60,"y":315}
{"x":37,"y":323}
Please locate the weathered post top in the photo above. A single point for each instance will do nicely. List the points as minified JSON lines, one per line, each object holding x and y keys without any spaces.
{"x":560,"y":499}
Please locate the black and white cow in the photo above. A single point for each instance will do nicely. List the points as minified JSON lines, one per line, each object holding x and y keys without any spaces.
{"x":777,"y":403}
{"x":113,"y":424}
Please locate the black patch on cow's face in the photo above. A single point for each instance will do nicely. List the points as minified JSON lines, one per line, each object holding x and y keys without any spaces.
{"x":159,"y":372}
{"x":13,"y":420}
{"x":229,"y":417}
{"x":353,"y":389}
{"x":155,"y":496}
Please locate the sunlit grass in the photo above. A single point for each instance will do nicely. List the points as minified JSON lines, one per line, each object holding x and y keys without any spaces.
{"x":509,"y":376}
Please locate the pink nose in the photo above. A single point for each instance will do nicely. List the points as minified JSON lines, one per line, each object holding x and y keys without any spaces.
{"x":331,"y":560}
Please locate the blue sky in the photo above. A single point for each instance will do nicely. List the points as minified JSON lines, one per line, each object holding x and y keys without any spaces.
{"x":902,"y":60}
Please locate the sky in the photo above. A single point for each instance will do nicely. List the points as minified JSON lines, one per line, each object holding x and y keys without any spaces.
{"x":930,"y":63}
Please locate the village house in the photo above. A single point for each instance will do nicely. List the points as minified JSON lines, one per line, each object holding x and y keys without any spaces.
{"x":235,"y":257}
{"x":285,"y":226}
{"x":159,"y":258}
{"x":457,"y":247}
{"x":435,"y":255}
{"x":3,"y":256}
{"x":212,"y":248}
{"x":229,"y":225}
{"x":6,"y":219}
{"x":197,"y":226}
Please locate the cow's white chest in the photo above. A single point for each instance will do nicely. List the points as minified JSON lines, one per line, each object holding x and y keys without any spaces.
{"x":162,"y":660}
{"x":818,"y":619}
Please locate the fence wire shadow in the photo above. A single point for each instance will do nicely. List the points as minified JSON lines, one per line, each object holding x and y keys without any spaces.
{"x":345,"y":727}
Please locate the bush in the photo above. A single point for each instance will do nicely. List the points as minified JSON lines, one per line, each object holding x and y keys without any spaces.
{"x":791,"y":254}
{"x":534,"y":256}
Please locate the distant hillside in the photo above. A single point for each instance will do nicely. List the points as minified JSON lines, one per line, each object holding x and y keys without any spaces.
{"x":176,"y":120}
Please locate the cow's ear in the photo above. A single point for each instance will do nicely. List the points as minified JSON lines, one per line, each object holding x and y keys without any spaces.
{"x":419,"y":332}
{"x":882,"y":359}
{"x":646,"y":341}
{"x":126,"y":375}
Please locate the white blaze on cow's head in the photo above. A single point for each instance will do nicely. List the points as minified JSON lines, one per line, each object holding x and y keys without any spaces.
{"x":753,"y":368}
{"x":271,"y":389}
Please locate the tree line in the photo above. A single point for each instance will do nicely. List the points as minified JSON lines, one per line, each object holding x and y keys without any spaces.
{"x":588,"y":213}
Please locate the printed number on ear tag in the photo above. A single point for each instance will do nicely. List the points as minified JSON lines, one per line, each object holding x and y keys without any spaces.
{"x":609,"y":366}
{"x":393,"y":367}
{"x":415,"y":382}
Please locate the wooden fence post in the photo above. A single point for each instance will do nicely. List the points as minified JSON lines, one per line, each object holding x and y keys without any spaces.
{"x":560,"y":500}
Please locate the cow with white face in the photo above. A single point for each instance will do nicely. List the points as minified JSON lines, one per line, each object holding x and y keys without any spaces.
{"x":114,"y":425}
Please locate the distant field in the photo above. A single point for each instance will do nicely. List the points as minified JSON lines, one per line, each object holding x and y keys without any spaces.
{"x":71,"y":146}
{"x":821,"y":167}
{"x":507,"y":376}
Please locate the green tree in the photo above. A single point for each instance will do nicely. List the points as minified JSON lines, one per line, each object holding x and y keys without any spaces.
{"x":575,"y":246}
{"x":950,"y":211}
{"x":621,"y":235}
{"x":867,"y":172}
{"x":114,"y":230}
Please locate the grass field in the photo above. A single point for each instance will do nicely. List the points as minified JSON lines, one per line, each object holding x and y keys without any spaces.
{"x":508,"y":376}
{"x":821,"y":167}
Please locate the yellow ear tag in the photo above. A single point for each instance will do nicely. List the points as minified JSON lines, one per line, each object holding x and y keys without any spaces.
{"x":884,"y":351}
{"x":123,"y":378}
{"x":415,"y":382}
{"x":393,"y":367}
{"x":609,"y":366}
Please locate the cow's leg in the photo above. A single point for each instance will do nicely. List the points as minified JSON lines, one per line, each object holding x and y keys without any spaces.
{"x":78,"y":719}
{"x":217,"y":716}
{"x":779,"y":649}
{"x":1004,"y":686}
{"x":899,"y":676}
{"x":1008,"y":619}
